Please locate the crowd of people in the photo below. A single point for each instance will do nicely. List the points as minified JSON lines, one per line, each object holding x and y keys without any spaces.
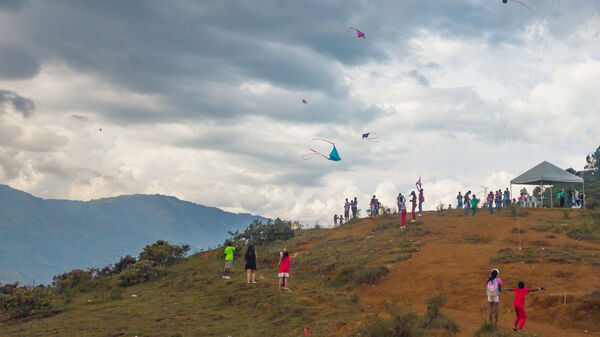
{"x":494,"y":200}
{"x":375,"y":207}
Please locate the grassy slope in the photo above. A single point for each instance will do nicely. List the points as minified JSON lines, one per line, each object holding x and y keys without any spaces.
{"x":452,"y":259}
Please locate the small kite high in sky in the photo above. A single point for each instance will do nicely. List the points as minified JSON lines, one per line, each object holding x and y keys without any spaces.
{"x":372,"y":136}
{"x":319,"y":143}
{"x":355,"y":33}
{"x":304,"y":101}
{"x":419,"y":183}
{"x":519,"y":2}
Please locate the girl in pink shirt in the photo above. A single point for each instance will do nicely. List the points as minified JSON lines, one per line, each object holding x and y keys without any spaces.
{"x":284,"y":270}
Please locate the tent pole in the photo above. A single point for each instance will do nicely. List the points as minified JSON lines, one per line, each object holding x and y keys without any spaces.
{"x":551,"y":197}
{"x":542,"y":192}
{"x":510,"y":196}
{"x":583,"y":186}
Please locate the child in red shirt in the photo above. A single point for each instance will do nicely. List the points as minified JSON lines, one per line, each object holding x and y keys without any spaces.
{"x":519,"y":304}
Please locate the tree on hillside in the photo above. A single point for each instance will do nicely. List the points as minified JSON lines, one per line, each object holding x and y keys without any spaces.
{"x":593,"y":160}
{"x":571,"y":170}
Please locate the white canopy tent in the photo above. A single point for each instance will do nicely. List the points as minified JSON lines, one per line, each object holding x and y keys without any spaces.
{"x":548,"y":174}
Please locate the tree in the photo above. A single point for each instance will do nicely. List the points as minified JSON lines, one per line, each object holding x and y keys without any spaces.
{"x":593,"y":160}
{"x":571,"y":170}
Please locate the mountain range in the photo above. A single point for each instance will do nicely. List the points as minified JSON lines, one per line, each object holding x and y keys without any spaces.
{"x":40,"y":238}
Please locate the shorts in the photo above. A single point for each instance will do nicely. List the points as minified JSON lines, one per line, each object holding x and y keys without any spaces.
{"x":495,"y":299}
{"x":284,"y":274}
{"x":228,"y":263}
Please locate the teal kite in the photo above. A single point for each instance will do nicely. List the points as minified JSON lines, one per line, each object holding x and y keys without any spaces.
{"x":333,"y":155}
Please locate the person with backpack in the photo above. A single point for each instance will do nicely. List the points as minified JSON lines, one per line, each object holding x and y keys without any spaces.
{"x":493,"y":288}
{"x":250,"y":258}
{"x":519,"y":304}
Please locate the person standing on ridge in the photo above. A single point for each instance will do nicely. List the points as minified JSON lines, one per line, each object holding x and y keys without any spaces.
{"x":421,"y":200}
{"x":506,"y":198}
{"x":250,"y":258}
{"x":402,"y":208}
{"x":467,"y":202}
{"x":490,"y":200}
{"x":335,"y":218}
{"x":459,"y":197}
{"x":373,"y":206}
{"x":354,"y":205}
{"x":228,"y":259}
{"x":347,"y":210}
{"x":474,"y":203}
{"x":413,"y":200}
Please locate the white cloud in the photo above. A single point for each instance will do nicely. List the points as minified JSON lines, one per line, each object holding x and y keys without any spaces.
{"x":461,"y":110}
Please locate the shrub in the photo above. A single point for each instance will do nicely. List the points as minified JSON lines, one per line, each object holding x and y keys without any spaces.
{"x":408,"y":324}
{"x":75,"y":279}
{"x":123,"y":263}
{"x":435,"y":319}
{"x":163,"y":253}
{"x":585,"y":232}
{"x":260,"y":233}
{"x":23,"y":302}
{"x":143,"y":270}
{"x":358,"y":275}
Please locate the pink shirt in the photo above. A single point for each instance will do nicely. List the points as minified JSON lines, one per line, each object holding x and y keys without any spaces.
{"x":285,"y":265}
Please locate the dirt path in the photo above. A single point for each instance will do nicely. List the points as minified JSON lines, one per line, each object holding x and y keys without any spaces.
{"x":460,"y":275}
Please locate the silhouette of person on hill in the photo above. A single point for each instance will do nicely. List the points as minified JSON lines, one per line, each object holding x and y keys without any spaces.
{"x":250,"y":258}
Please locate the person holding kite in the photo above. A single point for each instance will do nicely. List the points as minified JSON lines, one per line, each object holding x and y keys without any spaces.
{"x":421,"y":196}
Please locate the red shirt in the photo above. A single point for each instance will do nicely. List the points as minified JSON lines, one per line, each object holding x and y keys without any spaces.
{"x":285,"y":265}
{"x":520,"y":296}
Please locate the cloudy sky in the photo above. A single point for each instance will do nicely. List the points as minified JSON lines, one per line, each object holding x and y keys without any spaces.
{"x":202,"y":99}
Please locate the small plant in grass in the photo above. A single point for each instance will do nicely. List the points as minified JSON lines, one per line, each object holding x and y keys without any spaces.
{"x":476,"y":238}
{"x":358,"y":275}
{"x":566,"y":215}
{"x":398,"y":258}
{"x":585,"y":232}
{"x":492,"y":330}
{"x":435,"y":319}
{"x":409,"y":324}
{"x":517,"y":230}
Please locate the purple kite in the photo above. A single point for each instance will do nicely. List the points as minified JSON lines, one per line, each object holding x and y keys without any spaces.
{"x":419,"y":183}
{"x":355,"y":33}
{"x":372,"y":136}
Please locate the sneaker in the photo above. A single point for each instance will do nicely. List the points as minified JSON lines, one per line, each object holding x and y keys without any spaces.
{"x":515,"y":328}
{"x":420,"y":215}
{"x":227,"y":277}
{"x":254,"y":282}
{"x":224,"y":276}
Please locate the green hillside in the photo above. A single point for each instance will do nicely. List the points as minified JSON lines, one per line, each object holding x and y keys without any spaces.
{"x":362,"y":279}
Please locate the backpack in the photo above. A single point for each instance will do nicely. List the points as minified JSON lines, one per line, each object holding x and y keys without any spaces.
{"x":492,"y":288}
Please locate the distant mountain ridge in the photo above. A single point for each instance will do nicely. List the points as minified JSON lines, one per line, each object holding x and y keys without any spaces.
{"x":40,"y":238}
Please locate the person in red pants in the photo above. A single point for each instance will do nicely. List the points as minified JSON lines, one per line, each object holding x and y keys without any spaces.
{"x":519,"y":303}
{"x":413,"y":200}
{"x":402,"y":208}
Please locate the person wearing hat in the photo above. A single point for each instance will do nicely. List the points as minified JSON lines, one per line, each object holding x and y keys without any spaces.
{"x":493,"y":288}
